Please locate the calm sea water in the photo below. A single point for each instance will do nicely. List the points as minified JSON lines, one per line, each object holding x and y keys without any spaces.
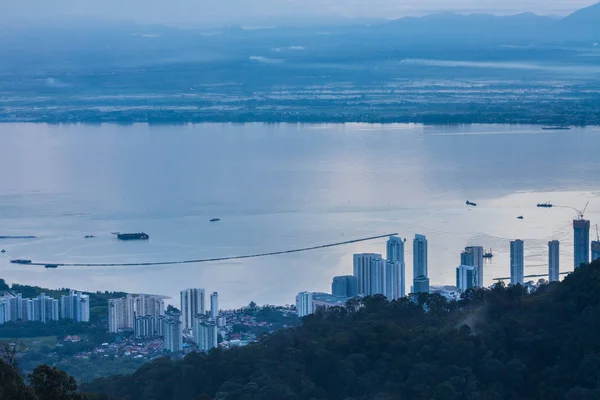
{"x":277,"y":187}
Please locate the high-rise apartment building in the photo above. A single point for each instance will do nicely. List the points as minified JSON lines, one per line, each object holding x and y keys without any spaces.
{"x":304,"y":304}
{"x":345,"y":286}
{"x":363,"y":265}
{"x":149,"y":305}
{"x":192,"y":303}
{"x":420,"y":276}
{"x":553,"y":261}
{"x":473,"y":256}
{"x":121,"y":313}
{"x":214,"y":305}
{"x":394,"y":280}
{"x":205,"y":333}
{"x":517,"y":262}
{"x":466,"y":277}
{"x":173,"y":332}
{"x":395,"y":249}
{"x":581,"y":250}
{"x":75,"y":306}
{"x":149,"y":326}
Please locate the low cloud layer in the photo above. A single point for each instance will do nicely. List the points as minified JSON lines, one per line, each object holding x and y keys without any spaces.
{"x":210,"y":13}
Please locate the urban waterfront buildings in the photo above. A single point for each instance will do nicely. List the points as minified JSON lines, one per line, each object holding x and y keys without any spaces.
{"x":15,"y":308}
{"x":473,"y":256}
{"x":205,"y":332}
{"x":554,"y":261}
{"x":581,"y":247}
{"x":149,"y":305}
{"x":192,"y":303}
{"x":394,"y":280}
{"x":466,"y":277}
{"x":420,"y":273}
{"x":75,"y":306}
{"x":345,"y":286}
{"x":517,"y":262}
{"x":214,"y":305}
{"x":149,"y":326}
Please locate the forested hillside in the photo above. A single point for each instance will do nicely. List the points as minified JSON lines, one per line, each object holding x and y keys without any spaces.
{"x":495,"y":344}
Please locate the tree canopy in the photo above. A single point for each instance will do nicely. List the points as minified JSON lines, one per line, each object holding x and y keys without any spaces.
{"x":495,"y":344}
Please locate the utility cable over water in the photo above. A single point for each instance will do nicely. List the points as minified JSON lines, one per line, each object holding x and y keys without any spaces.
{"x":323,"y":246}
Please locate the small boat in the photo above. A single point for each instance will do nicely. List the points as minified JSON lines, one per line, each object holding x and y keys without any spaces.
{"x":556,"y":128}
{"x":3,"y":251}
{"x":51,"y":266}
{"x":545,"y":205}
{"x":131,"y":236}
{"x":470,"y":203}
{"x":520,"y":217}
{"x":488,"y":254}
{"x":89,"y":236}
{"x":215,"y":219}
{"x":20,"y":261}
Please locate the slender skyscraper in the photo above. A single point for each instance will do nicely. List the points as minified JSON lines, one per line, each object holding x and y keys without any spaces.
{"x":420,"y":277}
{"x":363,"y":272}
{"x":377,"y":271}
{"x":395,"y":249}
{"x":517,"y":262}
{"x":473,"y":256}
{"x":205,"y":333}
{"x":394,"y":280}
{"x":344,"y":286}
{"x":553,"y":261}
{"x":214,"y":305}
{"x":466,"y":277}
{"x":172,"y":331}
{"x":581,"y":251}
{"x":595,"y":250}
{"x":192,"y":303}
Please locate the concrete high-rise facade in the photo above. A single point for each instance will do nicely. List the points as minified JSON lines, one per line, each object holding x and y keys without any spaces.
{"x":363,"y":266}
{"x":149,"y":305}
{"x":344,"y":286}
{"x":554,"y":261}
{"x":466,"y":277}
{"x":205,"y":333}
{"x":394,"y":280}
{"x":377,"y":277}
{"x":581,"y":250}
{"x":420,"y":273}
{"x":173,"y":332}
{"x":395,"y":249}
{"x":149,"y":326}
{"x":517,"y":262}
{"x":473,"y":256}
{"x":304,"y":304}
{"x":214,"y":305}
{"x":192,"y":303}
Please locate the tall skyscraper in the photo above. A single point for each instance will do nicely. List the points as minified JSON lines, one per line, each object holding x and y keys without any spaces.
{"x":473,"y":256}
{"x":595,"y":250}
{"x":192,"y":303}
{"x":395,"y":249}
{"x":420,"y":276}
{"x":553,"y":261}
{"x":304,"y":304}
{"x":149,"y":326}
{"x":214,"y":305}
{"x":345,"y":286}
{"x":75,"y":306}
{"x":466,"y":277}
{"x":377,"y":279}
{"x":149,"y":305}
{"x":394,"y":281}
{"x":517,"y":262}
{"x":581,"y":251}
{"x":363,"y":265}
{"x":205,"y":333}
{"x":173,"y":332}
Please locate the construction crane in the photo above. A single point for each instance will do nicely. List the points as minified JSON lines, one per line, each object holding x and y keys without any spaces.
{"x":580,"y":213}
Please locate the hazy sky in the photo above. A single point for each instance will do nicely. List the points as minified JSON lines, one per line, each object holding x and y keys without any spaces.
{"x":211,"y":12}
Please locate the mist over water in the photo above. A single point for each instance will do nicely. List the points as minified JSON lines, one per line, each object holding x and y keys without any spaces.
{"x":278,"y":187}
